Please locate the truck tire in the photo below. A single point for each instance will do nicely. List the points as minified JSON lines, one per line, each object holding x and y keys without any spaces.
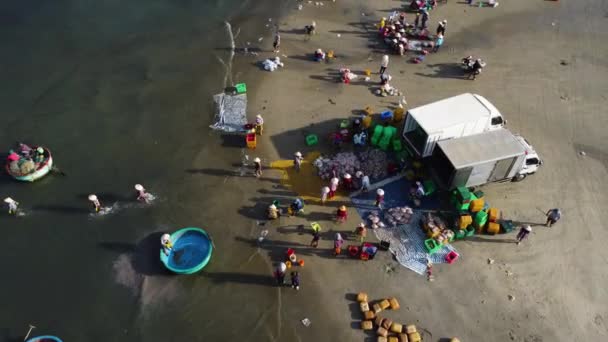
{"x":519,"y":177}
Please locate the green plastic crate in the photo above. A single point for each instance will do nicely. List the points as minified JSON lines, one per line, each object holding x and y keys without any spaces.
{"x":432,"y":246}
{"x":459,"y":234}
{"x":397,"y":145}
{"x":481,"y":218}
{"x":312,"y":139}
{"x":429,"y":187}
{"x":470,"y":231}
{"x":241,"y":88}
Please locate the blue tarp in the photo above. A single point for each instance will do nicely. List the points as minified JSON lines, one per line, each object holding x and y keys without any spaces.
{"x":407,"y":241}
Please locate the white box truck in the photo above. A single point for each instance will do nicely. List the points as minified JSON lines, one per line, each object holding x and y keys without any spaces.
{"x":493,"y":156}
{"x":454,"y":117}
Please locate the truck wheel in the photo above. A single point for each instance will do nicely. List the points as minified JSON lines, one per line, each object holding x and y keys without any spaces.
{"x":519,"y":177}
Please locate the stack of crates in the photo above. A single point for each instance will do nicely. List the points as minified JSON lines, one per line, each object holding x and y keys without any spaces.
{"x":461,"y":198}
{"x":481,"y":218}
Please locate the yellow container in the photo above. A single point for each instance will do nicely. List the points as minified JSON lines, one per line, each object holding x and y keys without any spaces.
{"x":493,"y":228}
{"x":367,"y":325}
{"x":369,"y":315}
{"x":366,"y":122}
{"x":368,"y":110}
{"x":362,"y":297}
{"x":384,"y":304}
{"x":394,"y":303}
{"x":493,"y":214}
{"x":410,"y":329}
{"x":414,"y":337}
{"x":464,"y":221}
{"x":368,"y":72}
{"x":403,"y":338}
{"x":398,"y":114}
{"x":477,"y":205}
{"x":396,"y":328}
{"x":393,"y":339}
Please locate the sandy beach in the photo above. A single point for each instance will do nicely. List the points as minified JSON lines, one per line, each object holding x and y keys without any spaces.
{"x":556,"y":278}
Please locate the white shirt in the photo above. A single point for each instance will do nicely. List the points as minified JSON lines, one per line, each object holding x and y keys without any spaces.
{"x":384,"y":62}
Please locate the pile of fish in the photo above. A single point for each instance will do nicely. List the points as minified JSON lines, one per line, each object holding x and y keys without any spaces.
{"x":398,"y":216}
{"x":344,"y":162}
{"x":374,"y":218}
{"x":374,"y":163}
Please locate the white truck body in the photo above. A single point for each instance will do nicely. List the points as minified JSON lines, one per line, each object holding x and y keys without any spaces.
{"x":454,"y":117}
{"x":475,"y":160}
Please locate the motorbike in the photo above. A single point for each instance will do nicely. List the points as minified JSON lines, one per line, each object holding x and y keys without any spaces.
{"x":472,"y":66}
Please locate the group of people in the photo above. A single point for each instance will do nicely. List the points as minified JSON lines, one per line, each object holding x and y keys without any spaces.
{"x":141,"y":196}
{"x":329,"y":192}
{"x":25,"y":159}
{"x":280,"y":274}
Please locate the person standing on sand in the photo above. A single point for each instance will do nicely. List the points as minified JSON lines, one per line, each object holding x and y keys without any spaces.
{"x":425,"y":18}
{"x":417,"y":20}
{"x":438,"y":42}
{"x":361,"y":232}
{"x":348,"y":181}
{"x":333,"y":187}
{"x":338,"y":242}
{"x":364,"y":181}
{"x":379,"y":198}
{"x":297,"y":161}
{"x":295,"y":280}
{"x":553,"y":215}
{"x":383,"y":64}
{"x":12,"y":205}
{"x":523,"y":233}
{"x":441,"y":27}
{"x":341,"y":214}
{"x":277,"y":42}
{"x":257,"y":164}
{"x":279,"y":274}
{"x":324,"y":191}
{"x":259,"y":124}
{"x":315,"y":239}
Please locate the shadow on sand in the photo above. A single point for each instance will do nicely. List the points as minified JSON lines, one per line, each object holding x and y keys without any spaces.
{"x":445,"y":70}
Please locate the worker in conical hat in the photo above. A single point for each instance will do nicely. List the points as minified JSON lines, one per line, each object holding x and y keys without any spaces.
{"x":333,"y":186}
{"x":342,"y":214}
{"x":259,"y":124}
{"x":141,"y":193}
{"x":12,"y":205}
{"x":348,"y":181}
{"x":297,"y":160}
{"x":523,"y":233}
{"x":324,"y":192}
{"x":93,"y":198}
{"x":273,"y":212}
{"x":279,"y":273}
{"x":379,"y":198}
{"x":165,"y":241}
{"x":257,"y":164}
{"x":361,"y":232}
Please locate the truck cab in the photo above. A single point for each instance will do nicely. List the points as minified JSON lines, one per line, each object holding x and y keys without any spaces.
{"x":531,"y":163}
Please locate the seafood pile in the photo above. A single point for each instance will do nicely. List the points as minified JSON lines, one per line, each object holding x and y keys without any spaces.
{"x":374,"y":218}
{"x":374,"y":163}
{"x":398,"y":216}
{"x":436,"y":229}
{"x":344,"y":162}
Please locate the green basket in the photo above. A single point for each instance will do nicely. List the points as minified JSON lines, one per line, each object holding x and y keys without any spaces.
{"x":470,"y":231}
{"x":459,"y":234}
{"x":429,"y":187}
{"x":481,"y":218}
{"x":432,"y":246}
{"x":397,"y":145}
{"x":241,"y":88}
{"x":312,"y":139}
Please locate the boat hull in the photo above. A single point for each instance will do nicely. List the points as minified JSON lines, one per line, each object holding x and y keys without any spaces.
{"x":191,"y":251}
{"x":41,"y":172}
{"x":45,"y":338}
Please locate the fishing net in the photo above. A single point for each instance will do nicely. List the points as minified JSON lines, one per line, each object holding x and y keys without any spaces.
{"x":230,"y":112}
